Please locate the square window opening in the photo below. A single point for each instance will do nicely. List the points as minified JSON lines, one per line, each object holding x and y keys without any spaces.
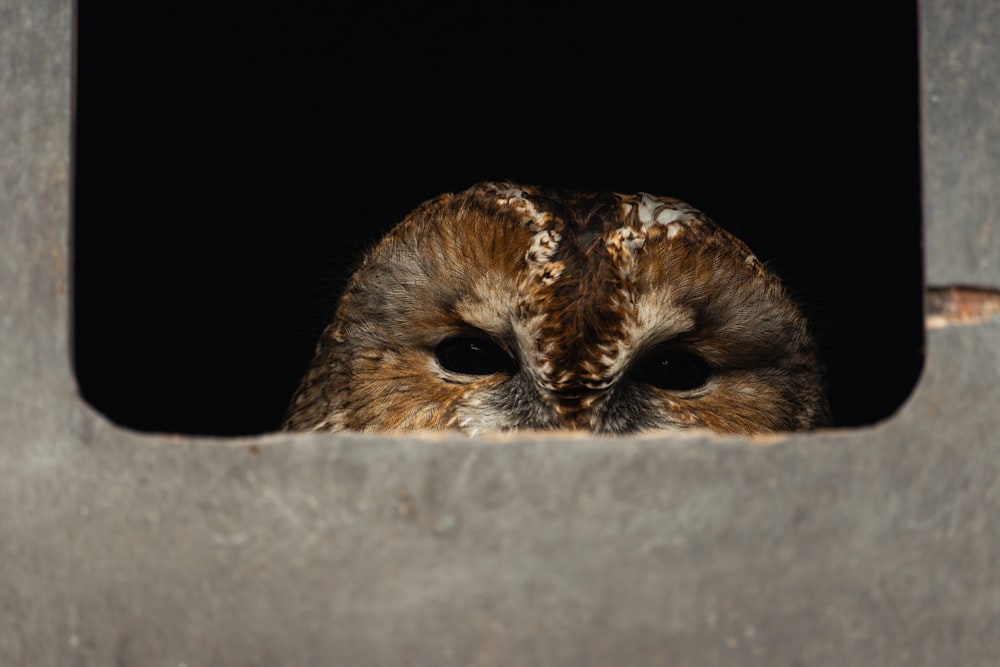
{"x":232,"y":169}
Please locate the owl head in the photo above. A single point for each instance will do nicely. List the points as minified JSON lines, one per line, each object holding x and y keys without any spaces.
{"x":509,"y":307}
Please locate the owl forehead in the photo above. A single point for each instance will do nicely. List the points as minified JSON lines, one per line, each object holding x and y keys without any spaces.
{"x":542,"y":209}
{"x":597,"y":227}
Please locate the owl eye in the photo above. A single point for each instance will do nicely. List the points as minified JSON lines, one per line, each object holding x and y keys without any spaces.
{"x":470,"y":355}
{"x":674,"y":370}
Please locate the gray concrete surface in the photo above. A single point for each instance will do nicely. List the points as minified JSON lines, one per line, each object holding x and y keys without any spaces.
{"x":961,"y":141}
{"x":878,"y":546}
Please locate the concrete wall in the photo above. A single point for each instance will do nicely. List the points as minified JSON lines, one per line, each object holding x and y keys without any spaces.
{"x":876,"y":546}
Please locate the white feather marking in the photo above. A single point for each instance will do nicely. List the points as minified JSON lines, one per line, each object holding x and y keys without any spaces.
{"x":627,"y":238}
{"x":647,"y":205}
{"x":657,"y":211}
{"x":516,"y":197}
{"x":539,"y":257}
{"x":543,"y":246}
{"x":624,"y":243}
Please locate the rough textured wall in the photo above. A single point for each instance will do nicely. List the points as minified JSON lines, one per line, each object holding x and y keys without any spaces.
{"x":873,"y":546}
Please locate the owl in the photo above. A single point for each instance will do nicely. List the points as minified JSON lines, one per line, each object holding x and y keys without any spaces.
{"x":513,"y":307}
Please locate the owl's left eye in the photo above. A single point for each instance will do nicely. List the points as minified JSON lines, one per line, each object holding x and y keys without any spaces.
{"x":471,"y":355}
{"x":674,"y":370}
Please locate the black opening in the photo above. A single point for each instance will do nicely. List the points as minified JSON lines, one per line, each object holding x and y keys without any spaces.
{"x":233,"y":161}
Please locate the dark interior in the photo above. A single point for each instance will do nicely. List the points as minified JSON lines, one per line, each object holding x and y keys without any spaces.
{"x":234,"y":161}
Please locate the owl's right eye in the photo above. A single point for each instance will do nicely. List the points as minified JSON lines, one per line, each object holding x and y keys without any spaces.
{"x":470,"y":355}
